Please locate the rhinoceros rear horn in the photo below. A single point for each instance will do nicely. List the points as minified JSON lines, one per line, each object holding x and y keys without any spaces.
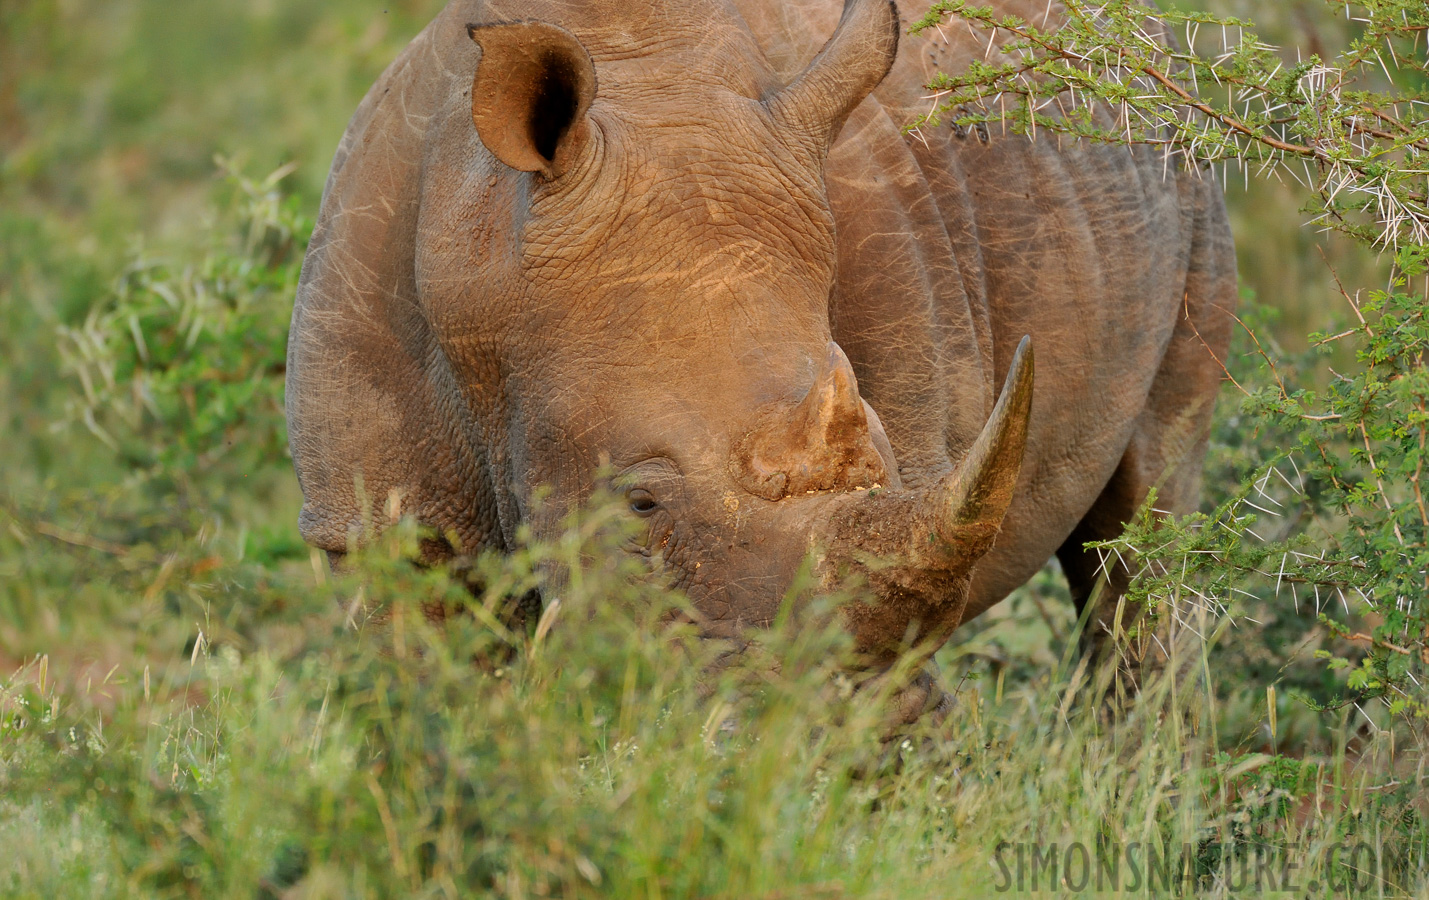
{"x":813,"y":108}
{"x":533,"y":87}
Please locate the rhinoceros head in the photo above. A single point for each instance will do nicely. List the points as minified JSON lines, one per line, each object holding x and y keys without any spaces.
{"x":621,"y":258}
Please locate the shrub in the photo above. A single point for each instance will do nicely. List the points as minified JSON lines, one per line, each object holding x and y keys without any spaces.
{"x":1329,"y":508}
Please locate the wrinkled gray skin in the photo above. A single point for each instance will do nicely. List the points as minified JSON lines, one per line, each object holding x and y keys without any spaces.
{"x":630,"y":229}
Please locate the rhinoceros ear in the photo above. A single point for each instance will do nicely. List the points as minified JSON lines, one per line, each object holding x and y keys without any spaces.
{"x":849,"y":67}
{"x":533,"y":87}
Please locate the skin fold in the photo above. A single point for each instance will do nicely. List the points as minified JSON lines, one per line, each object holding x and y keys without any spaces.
{"x":691,"y":239}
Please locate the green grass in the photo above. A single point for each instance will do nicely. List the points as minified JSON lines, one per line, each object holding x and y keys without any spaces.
{"x":285,"y":754}
{"x":189,"y":708}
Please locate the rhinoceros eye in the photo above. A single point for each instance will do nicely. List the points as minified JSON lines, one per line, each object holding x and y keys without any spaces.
{"x":642,"y":502}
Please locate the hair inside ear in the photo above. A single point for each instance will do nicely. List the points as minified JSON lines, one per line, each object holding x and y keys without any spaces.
{"x":554,"y":107}
{"x":533,"y":86}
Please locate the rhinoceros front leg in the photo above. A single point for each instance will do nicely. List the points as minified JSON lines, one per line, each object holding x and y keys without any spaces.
{"x":1116,"y":628}
{"x":1166,"y":451}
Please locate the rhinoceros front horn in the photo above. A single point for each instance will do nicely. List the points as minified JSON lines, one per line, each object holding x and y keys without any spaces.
{"x":948,"y":526}
{"x":969,"y":504}
{"x":917,"y":548}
